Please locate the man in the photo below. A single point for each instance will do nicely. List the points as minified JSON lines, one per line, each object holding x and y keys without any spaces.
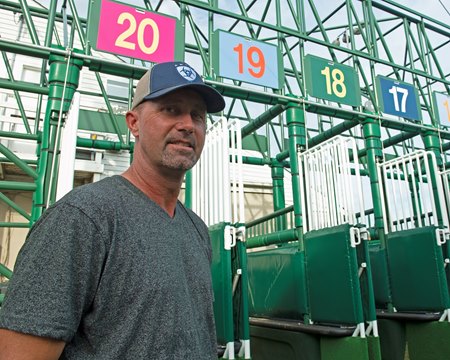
{"x":120,"y":269}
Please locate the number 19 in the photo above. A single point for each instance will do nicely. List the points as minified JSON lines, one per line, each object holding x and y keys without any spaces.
{"x":260,"y":63}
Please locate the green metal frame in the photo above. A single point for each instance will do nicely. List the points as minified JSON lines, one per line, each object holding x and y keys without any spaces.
{"x":361,"y":34}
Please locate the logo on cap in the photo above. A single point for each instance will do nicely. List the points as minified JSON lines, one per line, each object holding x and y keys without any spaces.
{"x":188,"y":73}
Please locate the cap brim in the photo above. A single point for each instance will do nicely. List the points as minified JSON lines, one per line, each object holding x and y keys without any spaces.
{"x":213,"y":99}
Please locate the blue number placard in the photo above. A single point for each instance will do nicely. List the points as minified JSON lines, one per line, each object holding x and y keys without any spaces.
{"x":442,"y":108}
{"x":398,"y":98}
{"x":240,"y":58}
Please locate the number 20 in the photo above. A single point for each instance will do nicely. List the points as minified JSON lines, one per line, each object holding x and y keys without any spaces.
{"x":122,"y":40}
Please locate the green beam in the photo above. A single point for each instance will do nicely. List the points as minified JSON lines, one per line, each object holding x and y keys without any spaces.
{"x":279,"y":237}
{"x":35,"y":11}
{"x":16,"y":207}
{"x":334,"y":131}
{"x":391,"y":141}
{"x":4,"y":271}
{"x":16,"y":160}
{"x":102,"y":144}
{"x":270,"y":216}
{"x":16,"y":93}
{"x":14,"y":225}
{"x":15,"y":135}
{"x":17,"y":185}
{"x":263,"y":119}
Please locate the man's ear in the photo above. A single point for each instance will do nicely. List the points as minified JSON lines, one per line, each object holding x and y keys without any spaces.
{"x":132,"y":119}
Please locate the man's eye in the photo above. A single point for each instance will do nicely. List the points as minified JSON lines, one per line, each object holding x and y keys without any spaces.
{"x":170,"y":109}
{"x":198,"y":116}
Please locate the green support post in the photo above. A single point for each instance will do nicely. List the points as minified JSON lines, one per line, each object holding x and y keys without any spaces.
{"x":432,"y":143}
{"x":64,"y":75}
{"x":373,"y":145}
{"x":372,"y":138}
{"x":278,"y":194}
{"x":295,"y":118}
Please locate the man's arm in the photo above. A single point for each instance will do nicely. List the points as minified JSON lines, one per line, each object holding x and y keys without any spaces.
{"x":18,"y":346}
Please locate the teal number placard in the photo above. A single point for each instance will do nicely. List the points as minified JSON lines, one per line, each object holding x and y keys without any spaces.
{"x":244,"y":59}
{"x":331,"y":81}
{"x":398,"y":98}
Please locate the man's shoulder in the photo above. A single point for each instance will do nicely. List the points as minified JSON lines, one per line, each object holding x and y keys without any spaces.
{"x":94,"y":197}
{"x":94,"y":191}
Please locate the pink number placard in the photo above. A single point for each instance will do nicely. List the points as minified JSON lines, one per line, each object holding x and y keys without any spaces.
{"x":136,"y":33}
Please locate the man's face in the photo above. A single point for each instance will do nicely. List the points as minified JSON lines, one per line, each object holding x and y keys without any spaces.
{"x":171,"y":130}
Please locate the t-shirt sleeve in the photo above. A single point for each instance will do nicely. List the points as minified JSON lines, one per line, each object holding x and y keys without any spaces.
{"x":56,"y":275}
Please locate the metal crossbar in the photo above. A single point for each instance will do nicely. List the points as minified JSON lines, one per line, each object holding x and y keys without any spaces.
{"x":412,"y":192}
{"x":330,"y":183}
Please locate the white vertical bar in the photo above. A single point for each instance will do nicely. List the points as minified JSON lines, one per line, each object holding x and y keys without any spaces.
{"x":394,"y":178}
{"x":322,"y":185}
{"x":403,"y":187}
{"x":416,"y":206}
{"x":225,"y":134}
{"x":240,"y":174}
{"x":311,"y":191}
{"x":302,"y":185}
{"x":358,"y":180}
{"x":421,"y":187}
{"x":68,"y":148}
{"x":409,"y":204}
{"x":381,"y":185}
{"x":430,"y":188}
{"x":233,"y":176}
{"x":341,"y":206}
{"x":347,"y":179}
{"x":389,"y":186}
{"x":337,"y":189}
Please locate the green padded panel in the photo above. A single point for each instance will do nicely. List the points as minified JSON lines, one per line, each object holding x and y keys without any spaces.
{"x":347,"y":348}
{"x":374,"y":348}
{"x":416,"y":268}
{"x":332,"y":276}
{"x":392,"y":338}
{"x":275,"y":344}
{"x":380,"y":277}
{"x":277,"y":283}
{"x":222,"y":285}
{"x":428,"y":341}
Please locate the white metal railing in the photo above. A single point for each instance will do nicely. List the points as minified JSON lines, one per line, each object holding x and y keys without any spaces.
{"x":412,"y":192}
{"x":445,"y":176}
{"x":218,"y":189}
{"x":330,"y":184}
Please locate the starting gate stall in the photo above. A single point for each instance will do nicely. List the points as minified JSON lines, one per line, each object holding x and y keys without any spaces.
{"x":321,"y":286}
{"x":219,"y":200}
{"x":416,"y":227}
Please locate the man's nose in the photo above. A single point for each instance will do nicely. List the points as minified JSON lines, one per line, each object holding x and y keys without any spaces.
{"x":185,"y":122}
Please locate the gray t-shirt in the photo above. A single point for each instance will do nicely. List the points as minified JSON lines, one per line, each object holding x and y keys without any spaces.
{"x":109,"y":272}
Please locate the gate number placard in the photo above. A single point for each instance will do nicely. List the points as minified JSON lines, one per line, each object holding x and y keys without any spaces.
{"x":134,"y":32}
{"x":240,"y":58}
{"x":331,"y":81}
{"x":442,"y":107}
{"x":398,"y":98}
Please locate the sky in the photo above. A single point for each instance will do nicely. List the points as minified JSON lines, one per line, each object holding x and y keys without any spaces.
{"x":432,"y":8}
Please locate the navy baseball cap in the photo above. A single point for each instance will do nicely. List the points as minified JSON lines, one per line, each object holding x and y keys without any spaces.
{"x":166,"y":77}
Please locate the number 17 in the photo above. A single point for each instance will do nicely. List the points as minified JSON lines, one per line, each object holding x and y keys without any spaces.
{"x":394,"y":91}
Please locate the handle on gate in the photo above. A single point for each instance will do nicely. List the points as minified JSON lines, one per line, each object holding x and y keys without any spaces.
{"x":441,"y":235}
{"x":355,"y":236}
